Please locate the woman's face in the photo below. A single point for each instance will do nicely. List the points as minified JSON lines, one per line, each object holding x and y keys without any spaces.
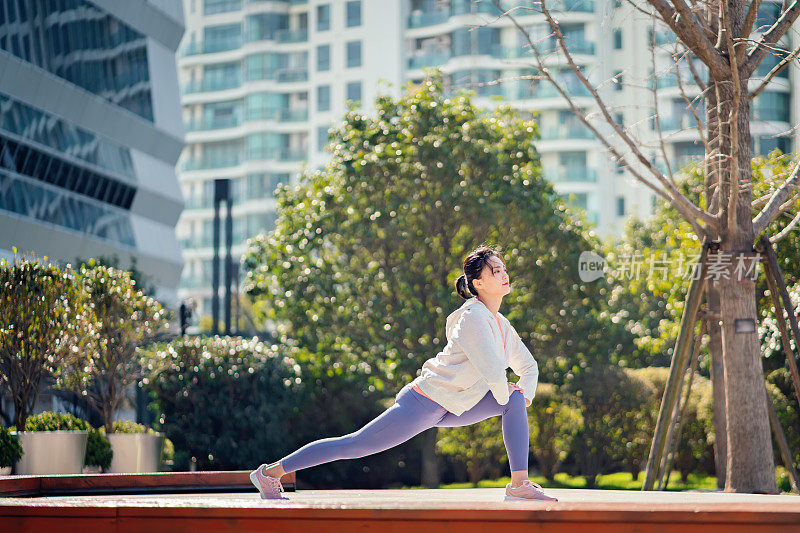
{"x":494,"y":280}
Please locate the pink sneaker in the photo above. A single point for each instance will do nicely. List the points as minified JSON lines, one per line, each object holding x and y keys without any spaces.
{"x":269,"y":487}
{"x":528,"y":491}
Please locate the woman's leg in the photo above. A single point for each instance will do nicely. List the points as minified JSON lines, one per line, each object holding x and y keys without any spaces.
{"x":515,"y":428}
{"x":406,"y":418}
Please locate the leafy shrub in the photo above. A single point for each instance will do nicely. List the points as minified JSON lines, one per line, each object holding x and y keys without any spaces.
{"x":128,"y":426}
{"x":233,"y":403}
{"x":10,"y":448}
{"x":480,"y":446}
{"x":610,"y":401}
{"x":787,"y":408}
{"x":784,"y":399}
{"x":225,"y":401}
{"x":553,"y":424}
{"x":695,"y":449}
{"x":98,"y":449}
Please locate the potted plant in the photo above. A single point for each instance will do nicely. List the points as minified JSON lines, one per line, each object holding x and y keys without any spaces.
{"x":10,"y":451}
{"x":126,"y":318}
{"x":44,"y":328}
{"x":61,"y":443}
{"x":136,"y":448}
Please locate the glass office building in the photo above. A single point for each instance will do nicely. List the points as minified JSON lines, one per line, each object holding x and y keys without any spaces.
{"x":90,"y":131}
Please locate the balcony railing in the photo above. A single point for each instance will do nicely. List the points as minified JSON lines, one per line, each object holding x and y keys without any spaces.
{"x":291,"y":74}
{"x":429,"y":60}
{"x":209,"y":162}
{"x":213,"y":84}
{"x":278,"y":154}
{"x":545,"y":89}
{"x":428,"y":18}
{"x":291,"y":36}
{"x":680,"y":122}
{"x":670,"y":79}
{"x":421,"y":19}
{"x":571,"y":175}
{"x":215,"y":123}
{"x":211,"y":47}
{"x":562,"y":131}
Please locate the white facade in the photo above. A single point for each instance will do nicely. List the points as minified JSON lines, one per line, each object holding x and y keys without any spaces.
{"x":100,"y":120}
{"x":262,"y":80}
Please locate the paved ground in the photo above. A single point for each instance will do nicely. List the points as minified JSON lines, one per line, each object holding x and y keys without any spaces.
{"x":421,"y":498}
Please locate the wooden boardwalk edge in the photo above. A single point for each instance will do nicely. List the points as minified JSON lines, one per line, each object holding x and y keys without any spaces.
{"x":155,"y":482}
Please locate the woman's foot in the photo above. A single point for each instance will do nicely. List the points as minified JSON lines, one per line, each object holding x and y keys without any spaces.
{"x":527,"y":491}
{"x":268,"y":486}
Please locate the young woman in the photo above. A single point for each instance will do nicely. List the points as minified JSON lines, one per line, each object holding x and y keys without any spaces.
{"x":464,"y":384}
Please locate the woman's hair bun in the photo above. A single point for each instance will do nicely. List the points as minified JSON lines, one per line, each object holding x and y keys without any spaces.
{"x":461,"y":287}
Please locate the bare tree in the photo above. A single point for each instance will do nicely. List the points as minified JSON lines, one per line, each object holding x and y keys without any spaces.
{"x":720,"y":37}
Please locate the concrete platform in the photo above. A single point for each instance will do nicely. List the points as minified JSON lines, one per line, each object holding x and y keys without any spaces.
{"x":409,"y":511}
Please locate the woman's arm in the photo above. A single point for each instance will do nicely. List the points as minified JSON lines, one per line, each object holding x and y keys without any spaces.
{"x":474,"y":334}
{"x":525,"y":366}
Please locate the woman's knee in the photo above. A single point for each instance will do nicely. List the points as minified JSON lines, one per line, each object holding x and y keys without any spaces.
{"x":516,"y":400}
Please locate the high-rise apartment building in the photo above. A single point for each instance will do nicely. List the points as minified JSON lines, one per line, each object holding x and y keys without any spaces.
{"x":264,"y":79}
{"x":90,"y":131}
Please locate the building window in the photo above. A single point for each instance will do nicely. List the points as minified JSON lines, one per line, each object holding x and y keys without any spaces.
{"x":353,"y":13}
{"x":324,"y":17}
{"x":618,"y":80}
{"x":324,"y":98}
{"x":354,"y":91}
{"x":620,"y":206}
{"x":353,"y":54}
{"x":322,"y":138}
{"x":617,"y":39}
{"x":323,"y":57}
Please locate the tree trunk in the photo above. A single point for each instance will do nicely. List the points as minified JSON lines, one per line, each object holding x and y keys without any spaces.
{"x":750,"y":464}
{"x":718,"y":386}
{"x":712,"y":297}
{"x":430,"y":463}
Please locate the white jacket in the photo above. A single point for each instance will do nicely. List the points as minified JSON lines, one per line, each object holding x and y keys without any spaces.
{"x":475,"y":359}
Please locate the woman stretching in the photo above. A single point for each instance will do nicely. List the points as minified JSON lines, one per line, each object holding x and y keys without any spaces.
{"x":464,"y":384}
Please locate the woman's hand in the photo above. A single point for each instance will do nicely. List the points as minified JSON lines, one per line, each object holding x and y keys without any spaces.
{"x":512,"y":387}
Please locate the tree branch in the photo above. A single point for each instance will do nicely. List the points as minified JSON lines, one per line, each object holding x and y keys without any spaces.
{"x":696,"y":75}
{"x":733,"y":193}
{"x":683,"y":205}
{"x":776,"y":201}
{"x":785,"y":231}
{"x":687,"y":27}
{"x":697,"y":118}
{"x":654,"y":89}
{"x":749,"y":21}
{"x":774,"y":72}
{"x":771,"y":37}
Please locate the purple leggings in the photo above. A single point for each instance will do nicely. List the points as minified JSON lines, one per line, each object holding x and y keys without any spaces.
{"x":411,"y":414}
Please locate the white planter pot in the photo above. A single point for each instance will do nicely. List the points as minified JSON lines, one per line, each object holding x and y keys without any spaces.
{"x":135,"y":452}
{"x":52,"y":452}
{"x":5,"y":471}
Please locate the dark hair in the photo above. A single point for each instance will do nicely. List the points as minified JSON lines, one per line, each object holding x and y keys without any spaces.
{"x":473,"y":266}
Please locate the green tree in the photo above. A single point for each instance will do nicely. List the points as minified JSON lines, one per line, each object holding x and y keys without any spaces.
{"x":127,"y":319}
{"x":365,"y":253}
{"x":45,"y":326}
{"x":553,"y":424}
